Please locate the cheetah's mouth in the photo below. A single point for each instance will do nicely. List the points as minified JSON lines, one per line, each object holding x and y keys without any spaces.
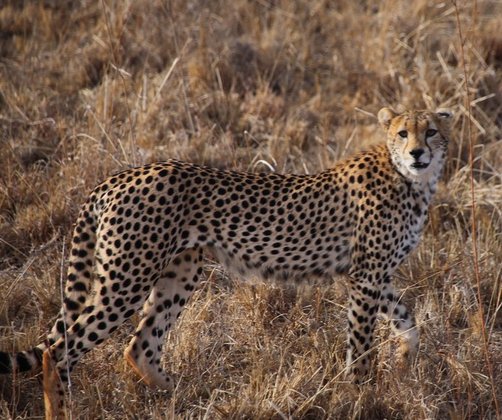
{"x":419,"y":165}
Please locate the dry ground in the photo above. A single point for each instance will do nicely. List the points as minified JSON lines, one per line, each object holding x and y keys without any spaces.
{"x":90,"y":87}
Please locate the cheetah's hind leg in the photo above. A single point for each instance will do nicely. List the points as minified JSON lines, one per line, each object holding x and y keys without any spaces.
{"x":160,"y":311}
{"x":54,"y":395}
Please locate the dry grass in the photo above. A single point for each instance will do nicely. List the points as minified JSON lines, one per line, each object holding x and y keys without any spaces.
{"x":90,"y":87}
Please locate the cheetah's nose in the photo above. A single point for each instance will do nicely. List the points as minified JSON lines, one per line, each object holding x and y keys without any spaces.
{"x":416,"y":153}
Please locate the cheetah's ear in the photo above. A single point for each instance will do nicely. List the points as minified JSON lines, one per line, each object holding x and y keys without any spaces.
{"x":444,"y":117}
{"x":385,"y":116}
{"x":444,"y":113}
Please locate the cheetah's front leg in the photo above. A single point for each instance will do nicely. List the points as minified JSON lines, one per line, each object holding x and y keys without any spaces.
{"x":363,"y":309}
{"x":402,"y":323}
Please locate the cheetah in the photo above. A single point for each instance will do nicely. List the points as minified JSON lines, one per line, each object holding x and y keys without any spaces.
{"x":140,"y":236}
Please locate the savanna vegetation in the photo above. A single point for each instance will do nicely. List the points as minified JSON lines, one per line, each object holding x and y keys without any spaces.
{"x":90,"y":87}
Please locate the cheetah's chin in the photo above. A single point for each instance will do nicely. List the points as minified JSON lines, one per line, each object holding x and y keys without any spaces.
{"x":419,"y":165}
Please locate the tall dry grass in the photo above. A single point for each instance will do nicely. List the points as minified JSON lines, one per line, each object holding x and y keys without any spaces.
{"x":88,"y":88}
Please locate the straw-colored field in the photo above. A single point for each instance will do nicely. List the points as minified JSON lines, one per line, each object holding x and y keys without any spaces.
{"x":91,"y":87}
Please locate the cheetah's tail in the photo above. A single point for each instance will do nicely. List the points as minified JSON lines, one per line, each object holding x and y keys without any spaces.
{"x":23,"y":361}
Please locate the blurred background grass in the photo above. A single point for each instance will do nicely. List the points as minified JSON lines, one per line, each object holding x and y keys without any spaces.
{"x":91,"y":87}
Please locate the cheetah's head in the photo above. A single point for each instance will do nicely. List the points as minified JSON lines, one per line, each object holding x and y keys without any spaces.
{"x":417,"y":140}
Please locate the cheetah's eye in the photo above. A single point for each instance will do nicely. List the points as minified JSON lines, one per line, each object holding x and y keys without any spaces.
{"x":403,"y":134}
{"x":430,"y":132}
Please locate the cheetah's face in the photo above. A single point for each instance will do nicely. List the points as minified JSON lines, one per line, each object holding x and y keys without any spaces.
{"x":417,"y":140}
